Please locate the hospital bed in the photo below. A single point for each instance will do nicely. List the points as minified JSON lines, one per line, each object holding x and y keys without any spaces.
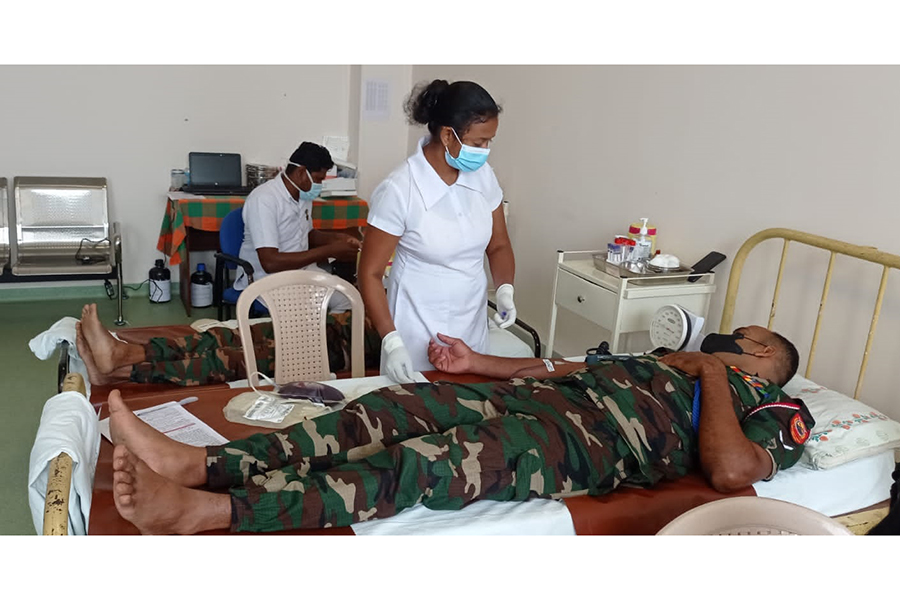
{"x":856,"y":486}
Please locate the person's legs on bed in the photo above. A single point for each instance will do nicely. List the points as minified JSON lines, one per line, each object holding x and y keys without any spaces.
{"x":213,"y":356}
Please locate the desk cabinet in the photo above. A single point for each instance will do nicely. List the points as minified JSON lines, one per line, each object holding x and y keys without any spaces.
{"x":618,"y":304}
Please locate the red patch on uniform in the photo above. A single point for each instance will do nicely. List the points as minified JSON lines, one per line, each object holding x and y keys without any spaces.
{"x":799,"y":431}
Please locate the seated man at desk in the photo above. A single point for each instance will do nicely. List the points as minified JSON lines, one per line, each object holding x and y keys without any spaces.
{"x":552,"y":429}
{"x":278,"y":233}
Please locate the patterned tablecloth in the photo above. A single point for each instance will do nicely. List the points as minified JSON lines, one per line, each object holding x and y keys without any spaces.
{"x":206,"y":213}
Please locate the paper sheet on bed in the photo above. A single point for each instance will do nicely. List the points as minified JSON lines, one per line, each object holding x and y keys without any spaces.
{"x":176,"y":422}
{"x":352,"y":388}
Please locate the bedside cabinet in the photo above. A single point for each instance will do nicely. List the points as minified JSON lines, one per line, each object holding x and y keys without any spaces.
{"x":619,"y":304}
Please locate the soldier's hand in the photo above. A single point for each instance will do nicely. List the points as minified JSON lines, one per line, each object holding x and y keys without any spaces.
{"x":692,"y":363}
{"x":455,"y":357}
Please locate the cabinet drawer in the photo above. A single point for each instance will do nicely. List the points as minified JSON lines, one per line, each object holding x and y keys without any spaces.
{"x":586,"y":299}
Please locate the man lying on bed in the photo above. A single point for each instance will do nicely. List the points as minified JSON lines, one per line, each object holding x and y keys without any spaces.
{"x":213,"y":356}
{"x":552,"y":429}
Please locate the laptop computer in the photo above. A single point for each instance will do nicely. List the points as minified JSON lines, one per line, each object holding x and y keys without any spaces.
{"x":215,"y":173}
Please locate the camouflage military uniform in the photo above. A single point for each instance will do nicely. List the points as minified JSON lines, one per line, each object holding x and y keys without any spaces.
{"x":445,"y":445}
{"x":217,"y":356}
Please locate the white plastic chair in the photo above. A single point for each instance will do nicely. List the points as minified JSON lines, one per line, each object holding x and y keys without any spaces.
{"x":753,"y":516}
{"x":298,"y":303}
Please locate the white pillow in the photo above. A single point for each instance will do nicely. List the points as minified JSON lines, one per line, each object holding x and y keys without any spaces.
{"x":846,"y":429}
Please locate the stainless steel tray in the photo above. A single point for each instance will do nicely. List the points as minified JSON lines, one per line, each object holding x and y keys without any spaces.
{"x":644,"y":277}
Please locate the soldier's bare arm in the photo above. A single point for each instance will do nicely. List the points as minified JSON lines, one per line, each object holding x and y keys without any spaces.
{"x":457,"y":357}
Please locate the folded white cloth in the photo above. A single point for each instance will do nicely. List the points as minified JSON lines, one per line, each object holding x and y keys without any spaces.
{"x":44,"y":344}
{"x":68,"y":424}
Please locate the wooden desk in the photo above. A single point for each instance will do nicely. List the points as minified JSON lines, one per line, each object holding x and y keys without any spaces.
{"x":191,"y":223}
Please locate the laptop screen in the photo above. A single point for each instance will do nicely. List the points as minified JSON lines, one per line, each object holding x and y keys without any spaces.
{"x":215,"y":169}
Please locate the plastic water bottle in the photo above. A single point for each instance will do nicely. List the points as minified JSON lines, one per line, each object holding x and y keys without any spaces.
{"x":201,"y":287}
{"x":160,"y":283}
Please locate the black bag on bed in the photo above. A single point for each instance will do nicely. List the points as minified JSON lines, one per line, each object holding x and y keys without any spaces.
{"x":890,"y":525}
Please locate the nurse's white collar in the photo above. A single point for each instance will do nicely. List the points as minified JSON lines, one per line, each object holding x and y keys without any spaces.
{"x":430,"y":184}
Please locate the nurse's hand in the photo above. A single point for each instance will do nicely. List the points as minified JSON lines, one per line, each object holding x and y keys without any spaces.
{"x":397,"y":363}
{"x":455,"y":357}
{"x":506,"y":309}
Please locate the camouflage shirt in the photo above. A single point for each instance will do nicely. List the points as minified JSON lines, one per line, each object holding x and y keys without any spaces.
{"x":651,"y":405}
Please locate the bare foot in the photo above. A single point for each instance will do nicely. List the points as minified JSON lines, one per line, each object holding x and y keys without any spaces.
{"x":183,"y":464}
{"x":156,"y":505}
{"x":84,"y":351}
{"x":104,"y":347}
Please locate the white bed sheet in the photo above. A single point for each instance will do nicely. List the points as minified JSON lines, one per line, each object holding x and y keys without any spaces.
{"x":483,"y":517}
{"x":849,"y":487}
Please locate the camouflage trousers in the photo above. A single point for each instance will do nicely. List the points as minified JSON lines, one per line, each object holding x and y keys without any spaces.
{"x":217,"y":355}
{"x":443,"y":445}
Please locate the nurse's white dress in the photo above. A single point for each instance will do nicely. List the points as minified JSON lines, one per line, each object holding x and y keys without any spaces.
{"x":437,"y":283}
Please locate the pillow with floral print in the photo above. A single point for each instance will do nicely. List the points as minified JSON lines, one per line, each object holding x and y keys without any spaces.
{"x":846,"y":429}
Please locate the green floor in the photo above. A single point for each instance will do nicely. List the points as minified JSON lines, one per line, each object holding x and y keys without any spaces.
{"x":28,"y":382}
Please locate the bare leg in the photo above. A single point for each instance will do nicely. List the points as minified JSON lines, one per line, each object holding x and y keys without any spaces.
{"x":183,"y":464}
{"x":109,"y":353}
{"x":159,"y":506}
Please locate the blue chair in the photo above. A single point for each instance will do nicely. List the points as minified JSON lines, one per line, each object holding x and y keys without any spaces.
{"x":231,"y":236}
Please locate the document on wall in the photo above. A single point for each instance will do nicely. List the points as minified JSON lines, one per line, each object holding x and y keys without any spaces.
{"x":176,"y":422}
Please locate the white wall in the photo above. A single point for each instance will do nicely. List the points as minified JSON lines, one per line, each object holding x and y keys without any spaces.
{"x":133,"y":124}
{"x":711,"y":155}
{"x":381,"y":143}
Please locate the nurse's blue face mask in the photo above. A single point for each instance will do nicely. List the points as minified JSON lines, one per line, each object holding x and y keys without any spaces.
{"x":314,"y":189}
{"x":470,"y":158}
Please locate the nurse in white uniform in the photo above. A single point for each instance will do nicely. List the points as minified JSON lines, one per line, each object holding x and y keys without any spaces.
{"x":441,"y":212}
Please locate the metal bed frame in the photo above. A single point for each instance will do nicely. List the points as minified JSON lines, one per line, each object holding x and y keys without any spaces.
{"x":56,"y":506}
{"x":866,"y":253}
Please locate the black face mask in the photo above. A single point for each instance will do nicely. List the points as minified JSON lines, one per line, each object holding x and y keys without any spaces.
{"x":722,"y":342}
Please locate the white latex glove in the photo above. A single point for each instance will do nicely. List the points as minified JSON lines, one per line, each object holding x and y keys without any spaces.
{"x":506,"y":310}
{"x":397,"y":363}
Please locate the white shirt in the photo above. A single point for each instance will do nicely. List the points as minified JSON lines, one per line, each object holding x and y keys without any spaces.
{"x":272,"y":219}
{"x":437,"y":282}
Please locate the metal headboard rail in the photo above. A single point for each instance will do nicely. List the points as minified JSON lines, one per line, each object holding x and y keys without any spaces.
{"x":867,"y":253}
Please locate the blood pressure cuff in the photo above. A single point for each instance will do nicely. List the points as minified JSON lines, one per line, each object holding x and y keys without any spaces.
{"x":781,"y":428}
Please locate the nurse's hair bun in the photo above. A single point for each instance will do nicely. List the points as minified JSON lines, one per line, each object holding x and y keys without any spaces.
{"x":457,"y":105}
{"x":423,"y":100}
